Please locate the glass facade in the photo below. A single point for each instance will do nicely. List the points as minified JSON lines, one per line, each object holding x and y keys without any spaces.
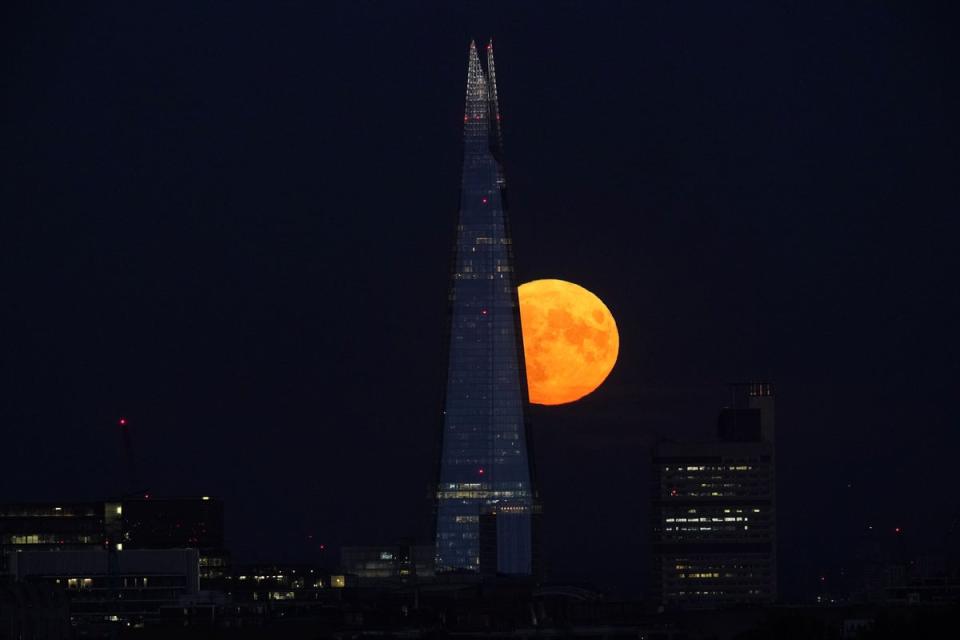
{"x":485,"y":469}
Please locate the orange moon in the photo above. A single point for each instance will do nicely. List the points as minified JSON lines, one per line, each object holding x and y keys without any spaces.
{"x":570,"y":340}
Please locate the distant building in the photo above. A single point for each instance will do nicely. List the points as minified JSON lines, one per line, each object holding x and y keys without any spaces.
{"x":124,"y":524}
{"x":714,"y":517}
{"x":264,"y":582}
{"x":61,"y":526}
{"x":168,"y":523}
{"x":486,"y":493}
{"x":390,"y":563}
{"x":111,"y":585}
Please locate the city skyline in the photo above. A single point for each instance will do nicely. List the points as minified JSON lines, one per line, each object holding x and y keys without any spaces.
{"x":233,"y":231}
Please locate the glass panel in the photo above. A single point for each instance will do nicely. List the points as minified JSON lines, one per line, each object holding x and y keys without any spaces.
{"x":485,"y":465}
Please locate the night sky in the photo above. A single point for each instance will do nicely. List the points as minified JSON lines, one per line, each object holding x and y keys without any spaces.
{"x":231,"y":223}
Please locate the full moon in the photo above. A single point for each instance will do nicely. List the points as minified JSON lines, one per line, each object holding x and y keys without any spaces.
{"x":570,"y":340}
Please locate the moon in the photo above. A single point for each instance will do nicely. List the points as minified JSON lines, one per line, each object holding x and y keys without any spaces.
{"x":570,"y":340}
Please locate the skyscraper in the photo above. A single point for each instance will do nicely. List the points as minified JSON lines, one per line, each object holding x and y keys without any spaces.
{"x":485,"y":494}
{"x":714,"y":516}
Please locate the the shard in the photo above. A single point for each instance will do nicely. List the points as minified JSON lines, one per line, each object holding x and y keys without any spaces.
{"x":486,"y":492}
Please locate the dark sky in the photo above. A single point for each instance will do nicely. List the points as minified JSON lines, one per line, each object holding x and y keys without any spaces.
{"x":230,"y":222}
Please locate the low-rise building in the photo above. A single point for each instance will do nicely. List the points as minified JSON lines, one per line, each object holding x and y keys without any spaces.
{"x":110,"y":585}
{"x":389,"y":563}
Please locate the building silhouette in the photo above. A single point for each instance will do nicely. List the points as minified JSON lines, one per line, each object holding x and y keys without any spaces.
{"x":123,"y":524}
{"x":118,"y":561}
{"x":713,"y":516}
{"x":485,"y":494}
{"x":105,"y":585}
{"x":395,"y":563}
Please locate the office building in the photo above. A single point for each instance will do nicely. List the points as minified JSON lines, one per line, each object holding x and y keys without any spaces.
{"x":485,"y":465}
{"x":141,"y":522}
{"x":714,"y":517}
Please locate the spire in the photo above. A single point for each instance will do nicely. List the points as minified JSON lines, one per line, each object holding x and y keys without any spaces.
{"x":494,"y":101}
{"x":477,"y":96}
